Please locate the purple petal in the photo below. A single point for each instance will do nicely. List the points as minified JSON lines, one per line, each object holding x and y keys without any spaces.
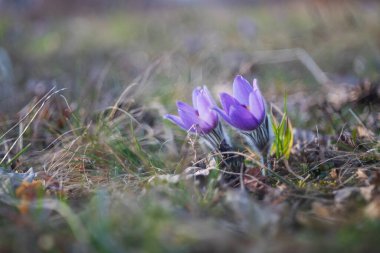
{"x":223,"y":114}
{"x":258,"y":94}
{"x":185,"y":107}
{"x":257,"y":91}
{"x":189,"y":119}
{"x":227,"y":101}
{"x":241,"y":89}
{"x":176,"y":120}
{"x":241,"y":118}
{"x":194,"y":124}
{"x":256,"y":107}
{"x":188,"y":115}
{"x":204,"y":127}
{"x":255,"y":87}
{"x":205,"y":110}
{"x":196,"y":93}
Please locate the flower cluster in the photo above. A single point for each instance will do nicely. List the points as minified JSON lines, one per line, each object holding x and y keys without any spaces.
{"x":245,"y":111}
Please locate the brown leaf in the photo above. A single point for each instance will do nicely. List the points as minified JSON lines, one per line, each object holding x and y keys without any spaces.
{"x":361,"y":174}
{"x":334,"y":173}
{"x":373,"y":209}
{"x":321,"y":210}
{"x":253,"y":179}
{"x":374,"y":178}
{"x":364,"y":133}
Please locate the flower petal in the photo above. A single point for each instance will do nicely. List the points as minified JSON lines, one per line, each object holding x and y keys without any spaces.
{"x":241,"y":118}
{"x":241,"y":89}
{"x":255,"y":87}
{"x":223,"y":114}
{"x":204,"y":127}
{"x":257,"y":91}
{"x":205,"y":110}
{"x":189,"y":119}
{"x":227,"y":101}
{"x":196,"y":93}
{"x":176,"y":120}
{"x":186,"y":108}
{"x":256,"y":107}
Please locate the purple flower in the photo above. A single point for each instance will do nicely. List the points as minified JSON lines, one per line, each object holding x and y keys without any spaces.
{"x":244,"y":110}
{"x":200,"y":118}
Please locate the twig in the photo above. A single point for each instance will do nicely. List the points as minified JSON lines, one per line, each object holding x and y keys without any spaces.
{"x":286,"y":55}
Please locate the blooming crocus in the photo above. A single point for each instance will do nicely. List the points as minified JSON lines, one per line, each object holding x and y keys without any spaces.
{"x":245,"y":110}
{"x":199,"y":118}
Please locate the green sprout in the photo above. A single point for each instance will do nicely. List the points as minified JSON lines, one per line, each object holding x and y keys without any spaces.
{"x":283,"y":134}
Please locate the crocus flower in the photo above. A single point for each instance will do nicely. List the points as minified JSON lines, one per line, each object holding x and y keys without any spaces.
{"x":245,"y":110}
{"x":199,"y":118}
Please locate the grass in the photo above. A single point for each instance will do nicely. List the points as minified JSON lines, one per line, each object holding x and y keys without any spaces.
{"x":116,"y":177}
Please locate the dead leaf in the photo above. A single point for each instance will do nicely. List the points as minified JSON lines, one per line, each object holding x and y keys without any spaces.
{"x":374,"y":178}
{"x":373,"y":209}
{"x":253,"y":179}
{"x":364,"y":133}
{"x":334,"y":173}
{"x":28,"y":192}
{"x":361,"y":174}
{"x":321,"y":210}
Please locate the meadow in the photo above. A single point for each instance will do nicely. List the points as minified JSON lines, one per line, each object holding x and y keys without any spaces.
{"x":88,"y":163}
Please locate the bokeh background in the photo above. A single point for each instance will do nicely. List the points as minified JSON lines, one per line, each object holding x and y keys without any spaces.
{"x":113,"y":176}
{"x":97,"y":48}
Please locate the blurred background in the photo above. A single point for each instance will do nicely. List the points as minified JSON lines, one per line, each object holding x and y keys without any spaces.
{"x":140,"y":56}
{"x":96,"y":48}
